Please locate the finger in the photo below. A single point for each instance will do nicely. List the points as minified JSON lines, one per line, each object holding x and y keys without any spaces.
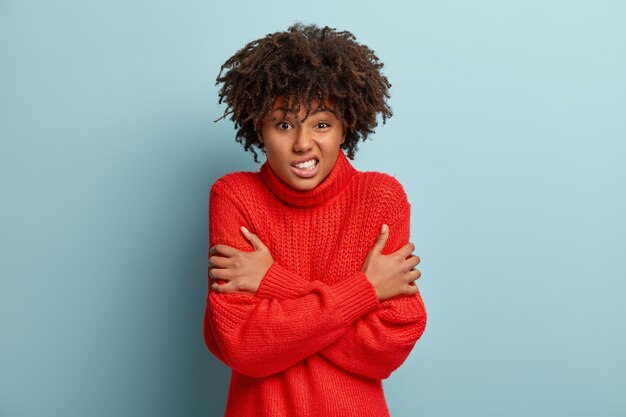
{"x":411,"y":262}
{"x":211,"y":273}
{"x":379,"y":244}
{"x":220,"y":273}
{"x":254,"y":239}
{"x":219,"y":288}
{"x":218,"y":262}
{"x":414,"y":258}
{"x":414,"y":274}
{"x":406,"y":250}
{"x":213,"y":250}
{"x":224,"y":250}
{"x":223,"y":288}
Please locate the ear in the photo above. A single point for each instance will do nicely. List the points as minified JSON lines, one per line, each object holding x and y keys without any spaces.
{"x":345,"y":132}
{"x":260,"y":136}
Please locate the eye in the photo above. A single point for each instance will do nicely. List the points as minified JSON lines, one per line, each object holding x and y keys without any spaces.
{"x":283,"y":125}
{"x":323,"y":125}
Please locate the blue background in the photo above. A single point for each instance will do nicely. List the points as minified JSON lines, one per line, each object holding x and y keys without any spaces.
{"x":508,"y":136}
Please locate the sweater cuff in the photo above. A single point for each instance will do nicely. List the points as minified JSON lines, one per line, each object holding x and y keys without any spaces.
{"x":281,"y":283}
{"x":356,"y":297}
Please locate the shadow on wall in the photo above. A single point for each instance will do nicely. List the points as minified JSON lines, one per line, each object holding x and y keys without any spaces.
{"x":215,"y":378}
{"x":215,"y":375}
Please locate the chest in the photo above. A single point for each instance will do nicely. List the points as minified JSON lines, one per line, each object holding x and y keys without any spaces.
{"x":324,"y":243}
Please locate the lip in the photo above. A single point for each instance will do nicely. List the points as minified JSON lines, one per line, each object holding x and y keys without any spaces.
{"x":304,"y":173}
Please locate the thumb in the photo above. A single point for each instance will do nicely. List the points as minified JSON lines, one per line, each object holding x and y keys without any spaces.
{"x":382,"y":238}
{"x":254,"y":239}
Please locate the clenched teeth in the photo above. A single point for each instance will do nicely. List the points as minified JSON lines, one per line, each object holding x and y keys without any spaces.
{"x":307,"y":165}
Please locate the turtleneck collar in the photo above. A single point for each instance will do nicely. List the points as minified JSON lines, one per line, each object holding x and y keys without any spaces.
{"x":336,"y":180}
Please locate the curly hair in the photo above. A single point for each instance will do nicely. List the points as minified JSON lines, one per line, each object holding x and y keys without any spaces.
{"x":306,"y":62}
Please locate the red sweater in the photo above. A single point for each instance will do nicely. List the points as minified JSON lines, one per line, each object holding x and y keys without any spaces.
{"x":314,"y":340}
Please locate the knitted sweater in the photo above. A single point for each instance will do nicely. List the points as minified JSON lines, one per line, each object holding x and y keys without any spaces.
{"x":314,"y":340}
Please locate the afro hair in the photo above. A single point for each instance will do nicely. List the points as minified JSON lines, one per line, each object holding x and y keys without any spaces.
{"x":305,"y":62}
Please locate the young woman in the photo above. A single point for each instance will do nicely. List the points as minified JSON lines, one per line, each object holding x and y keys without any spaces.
{"x":311,"y":299}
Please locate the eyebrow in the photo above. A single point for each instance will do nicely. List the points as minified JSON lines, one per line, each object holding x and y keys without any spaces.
{"x":318,"y":110}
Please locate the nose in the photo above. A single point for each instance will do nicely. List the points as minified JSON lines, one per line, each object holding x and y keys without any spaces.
{"x":303,"y":142}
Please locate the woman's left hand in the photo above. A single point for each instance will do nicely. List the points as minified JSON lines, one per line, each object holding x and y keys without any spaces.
{"x":243,"y":270}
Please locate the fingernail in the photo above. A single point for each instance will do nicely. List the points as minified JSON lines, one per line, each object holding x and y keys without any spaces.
{"x":245,"y":229}
{"x":383,"y":228}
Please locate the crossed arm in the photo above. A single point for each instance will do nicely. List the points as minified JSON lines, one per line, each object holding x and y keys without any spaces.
{"x":376,"y":343}
{"x":290,"y":318}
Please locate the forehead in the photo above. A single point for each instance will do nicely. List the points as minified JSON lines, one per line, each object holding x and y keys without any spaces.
{"x":280,"y":103}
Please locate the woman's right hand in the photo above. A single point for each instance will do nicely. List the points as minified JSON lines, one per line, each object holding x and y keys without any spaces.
{"x":392,"y":274}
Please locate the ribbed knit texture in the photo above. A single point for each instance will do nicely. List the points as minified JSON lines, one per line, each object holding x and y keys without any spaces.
{"x":314,"y":340}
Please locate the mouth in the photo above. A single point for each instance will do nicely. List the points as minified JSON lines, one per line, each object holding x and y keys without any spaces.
{"x":306,"y":168}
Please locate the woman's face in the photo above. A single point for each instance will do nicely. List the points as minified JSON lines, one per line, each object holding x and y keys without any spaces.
{"x":288,"y":141}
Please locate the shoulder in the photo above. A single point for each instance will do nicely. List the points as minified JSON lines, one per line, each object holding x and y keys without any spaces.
{"x":243,"y":188}
{"x":236,"y":182}
{"x":385,"y":192}
{"x":384,"y":186}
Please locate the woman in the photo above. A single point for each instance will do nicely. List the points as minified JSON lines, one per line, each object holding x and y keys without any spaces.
{"x":311,"y":298}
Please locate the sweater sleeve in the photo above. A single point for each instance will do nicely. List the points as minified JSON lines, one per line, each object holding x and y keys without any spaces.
{"x":261,"y":336}
{"x":379,"y":342}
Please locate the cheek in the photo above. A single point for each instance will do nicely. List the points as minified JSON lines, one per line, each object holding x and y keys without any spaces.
{"x":277,"y":157}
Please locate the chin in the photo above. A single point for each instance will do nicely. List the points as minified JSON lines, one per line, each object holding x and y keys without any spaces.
{"x":305,"y":186}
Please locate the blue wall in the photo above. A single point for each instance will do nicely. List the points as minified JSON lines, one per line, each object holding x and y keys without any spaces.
{"x":508,"y":135}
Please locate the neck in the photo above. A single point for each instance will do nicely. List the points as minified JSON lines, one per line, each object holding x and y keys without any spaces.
{"x":332,"y":185}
